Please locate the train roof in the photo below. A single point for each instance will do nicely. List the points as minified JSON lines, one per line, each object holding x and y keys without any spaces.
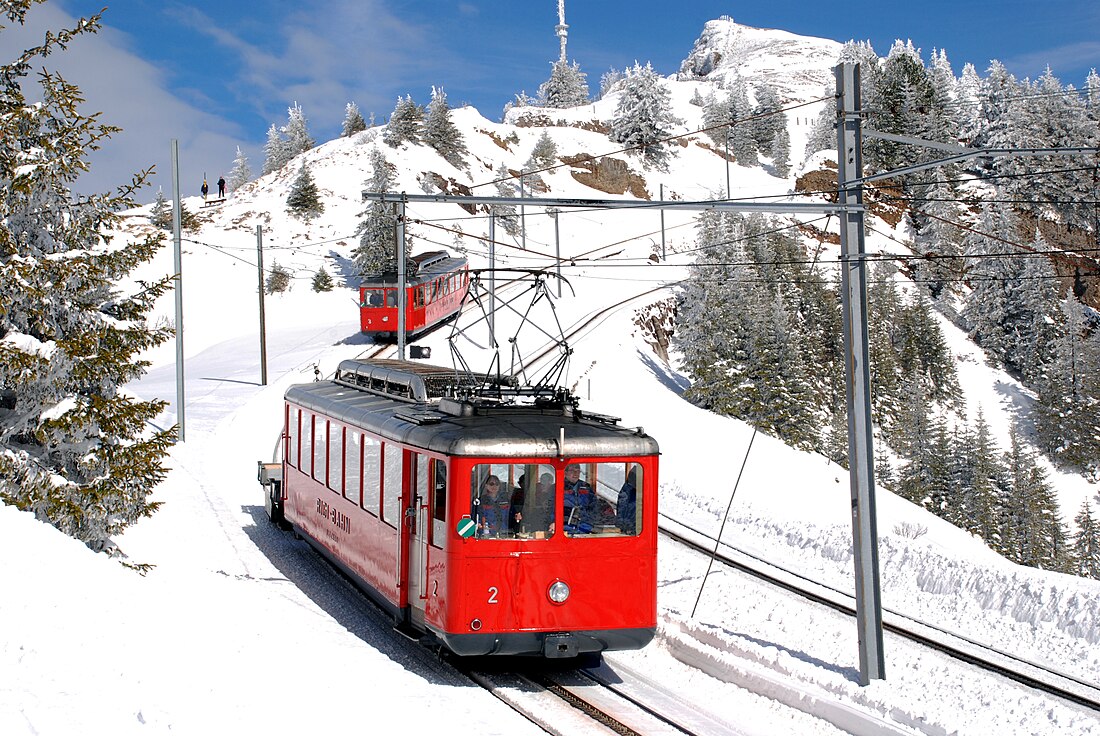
{"x":423,"y":267}
{"x":435,"y":408}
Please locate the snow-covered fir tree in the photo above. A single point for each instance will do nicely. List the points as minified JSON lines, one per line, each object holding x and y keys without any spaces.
{"x":406,"y":123}
{"x":377,"y":250}
{"x":304,"y":200}
{"x":609,"y":81}
{"x":353,"y":121}
{"x":1086,"y":543}
{"x":643,"y":118}
{"x":241,"y":174}
{"x":161,"y":212}
{"x":566,"y":87}
{"x":1069,"y":392}
{"x":441,"y":133}
{"x":74,"y":449}
{"x":298,"y":139}
{"x":276,"y":151}
{"x":544,"y":154}
{"x":278,"y":279}
{"x":506,"y":186}
{"x":322,"y":280}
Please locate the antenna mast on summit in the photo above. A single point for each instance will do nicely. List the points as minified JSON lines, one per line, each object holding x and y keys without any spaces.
{"x":562,"y":29}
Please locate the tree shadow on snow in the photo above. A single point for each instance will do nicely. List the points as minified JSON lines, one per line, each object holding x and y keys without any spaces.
{"x":674,"y":383}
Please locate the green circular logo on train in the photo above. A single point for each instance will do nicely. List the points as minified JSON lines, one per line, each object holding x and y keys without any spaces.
{"x":466,"y":527}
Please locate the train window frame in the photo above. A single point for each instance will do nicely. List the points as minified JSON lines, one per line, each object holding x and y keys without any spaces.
{"x":391,"y":298}
{"x":418,"y":298}
{"x":353,"y":460}
{"x":372,"y":475}
{"x":320,"y":450}
{"x":373,"y":297}
{"x":526,"y":502}
{"x":293,"y":434}
{"x":608,"y":480}
{"x":439,"y":503}
{"x":305,"y":454}
{"x":393,"y":478}
{"x":335,"y":458}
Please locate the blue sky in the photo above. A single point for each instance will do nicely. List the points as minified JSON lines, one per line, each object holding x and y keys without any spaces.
{"x":217,"y":75}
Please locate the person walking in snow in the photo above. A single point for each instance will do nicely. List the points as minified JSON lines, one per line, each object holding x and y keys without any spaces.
{"x":205,"y":188}
{"x":221,"y":187}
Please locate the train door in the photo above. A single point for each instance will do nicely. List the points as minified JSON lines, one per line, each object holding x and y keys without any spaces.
{"x":420,"y":533}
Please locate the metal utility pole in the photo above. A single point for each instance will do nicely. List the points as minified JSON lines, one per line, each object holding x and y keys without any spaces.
{"x":557,"y":246}
{"x":177,"y":238}
{"x":872,"y":664}
{"x":662,"y":197}
{"x":263,"y":320}
{"x":492,"y":272}
{"x":401,"y":277}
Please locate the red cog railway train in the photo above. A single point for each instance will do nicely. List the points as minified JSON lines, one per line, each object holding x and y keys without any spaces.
{"x":523,"y":528}
{"x":435,"y":288}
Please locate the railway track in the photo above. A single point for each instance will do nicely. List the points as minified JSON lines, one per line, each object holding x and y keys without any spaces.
{"x":1031,"y":674}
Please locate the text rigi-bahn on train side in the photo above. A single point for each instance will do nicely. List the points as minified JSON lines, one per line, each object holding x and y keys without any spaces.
{"x":523,"y":528}
{"x":435,"y":287}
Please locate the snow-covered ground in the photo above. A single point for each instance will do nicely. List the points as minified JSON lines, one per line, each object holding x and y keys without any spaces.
{"x":240,"y":628}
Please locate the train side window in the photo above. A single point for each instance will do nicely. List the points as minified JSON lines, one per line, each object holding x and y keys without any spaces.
{"x":305,"y":458}
{"x":513,"y":501}
{"x":391,"y":297}
{"x":418,"y":297}
{"x":603,"y":499}
{"x":372,"y":473}
{"x":320,"y":448}
{"x":336,"y":457}
{"x":353,"y":467}
{"x":294,"y":416}
{"x":439,"y":503}
{"x":392,"y":472}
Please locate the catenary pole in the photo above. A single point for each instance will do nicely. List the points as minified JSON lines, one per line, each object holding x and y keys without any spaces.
{"x":401,"y":278}
{"x":861,"y":470}
{"x":263,"y":321}
{"x":177,"y":242}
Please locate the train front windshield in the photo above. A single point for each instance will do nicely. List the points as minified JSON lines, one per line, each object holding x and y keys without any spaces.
{"x":522,"y":500}
{"x":379,"y":298}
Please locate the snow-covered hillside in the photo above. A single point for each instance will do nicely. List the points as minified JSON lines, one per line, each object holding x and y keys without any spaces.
{"x":233,"y":609}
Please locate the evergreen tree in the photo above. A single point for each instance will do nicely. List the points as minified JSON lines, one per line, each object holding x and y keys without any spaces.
{"x":643,"y":118}
{"x":161,"y":212}
{"x":376,"y":250}
{"x":74,"y":449}
{"x":353,"y":121}
{"x":406,"y":123}
{"x":241,"y":174}
{"x":781,"y":150}
{"x":544,"y":154}
{"x":304,"y":200}
{"x":566,"y":87}
{"x":609,"y":80}
{"x":276,"y":151}
{"x":440,"y":131}
{"x":980,"y":481}
{"x":1069,"y":392}
{"x":298,"y":139}
{"x":1033,"y":531}
{"x":823,"y":133}
{"x":506,"y":213}
{"x":278,"y":280}
{"x":322,"y":281}
{"x":1086,"y":544}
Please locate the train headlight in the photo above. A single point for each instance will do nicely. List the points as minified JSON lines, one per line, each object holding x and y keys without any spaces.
{"x":558,"y":592}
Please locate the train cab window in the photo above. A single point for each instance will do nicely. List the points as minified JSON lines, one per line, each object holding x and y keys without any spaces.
{"x":391,"y":488}
{"x":336,"y":457}
{"x":293,"y":433}
{"x":373,"y":297}
{"x":353,"y":467}
{"x":439,"y":503}
{"x":372,"y":473}
{"x":513,"y":501}
{"x":602,"y":499}
{"x":391,"y":297}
